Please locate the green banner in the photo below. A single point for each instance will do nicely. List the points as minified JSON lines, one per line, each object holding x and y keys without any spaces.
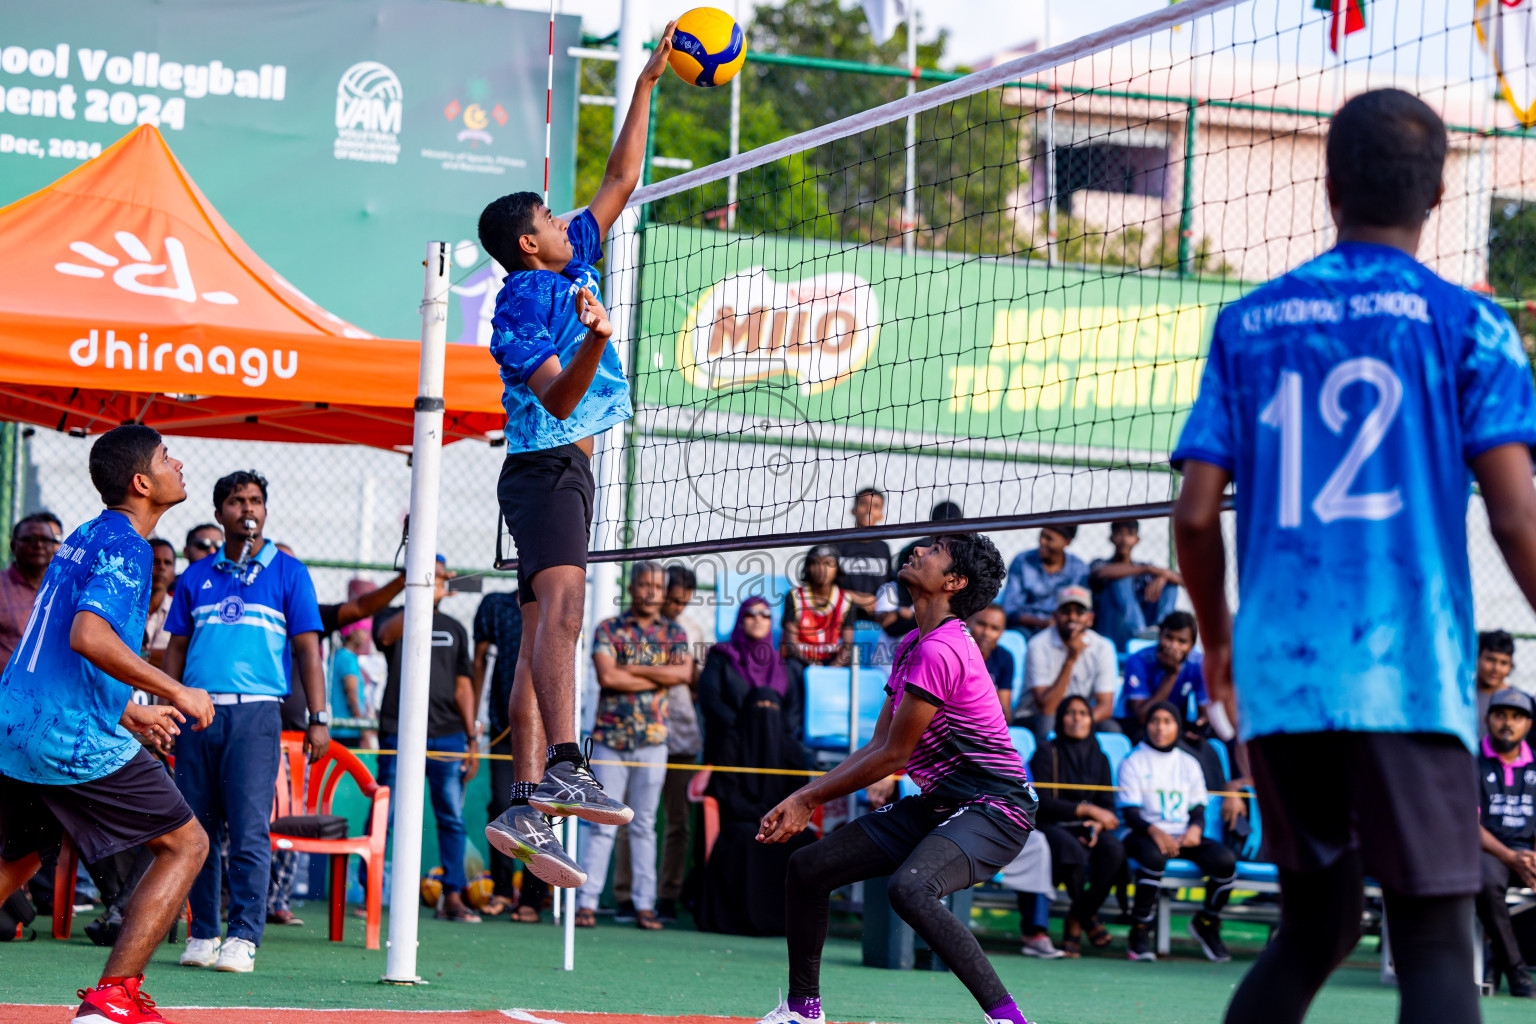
{"x":965,"y":347}
{"x":337,"y":138}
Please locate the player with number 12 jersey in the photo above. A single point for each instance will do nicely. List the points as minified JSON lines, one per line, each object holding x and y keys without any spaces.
{"x":1346,"y":399}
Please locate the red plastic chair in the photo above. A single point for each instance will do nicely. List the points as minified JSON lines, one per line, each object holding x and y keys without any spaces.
{"x":313,"y":796}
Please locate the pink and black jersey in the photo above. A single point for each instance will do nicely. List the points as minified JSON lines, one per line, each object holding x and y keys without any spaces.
{"x":965,"y":757}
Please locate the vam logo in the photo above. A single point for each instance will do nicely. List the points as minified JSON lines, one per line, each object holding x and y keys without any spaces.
{"x":369,"y":109}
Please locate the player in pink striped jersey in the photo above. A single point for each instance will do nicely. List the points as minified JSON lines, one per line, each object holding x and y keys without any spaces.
{"x":943,"y":724}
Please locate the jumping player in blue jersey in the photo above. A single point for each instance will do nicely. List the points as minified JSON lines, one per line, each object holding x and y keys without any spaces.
{"x":564,"y":385}
{"x":1352,"y":402}
{"x":69,"y":761}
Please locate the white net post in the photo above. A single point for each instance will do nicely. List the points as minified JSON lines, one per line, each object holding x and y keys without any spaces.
{"x":420,"y":581}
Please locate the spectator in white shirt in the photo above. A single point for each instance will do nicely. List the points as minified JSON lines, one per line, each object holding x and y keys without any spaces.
{"x":1066,"y":660}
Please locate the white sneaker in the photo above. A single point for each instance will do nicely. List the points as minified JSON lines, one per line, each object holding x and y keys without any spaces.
{"x":237,"y":956}
{"x":1041,"y":947}
{"x":782,"y":1014}
{"x":200,"y":952}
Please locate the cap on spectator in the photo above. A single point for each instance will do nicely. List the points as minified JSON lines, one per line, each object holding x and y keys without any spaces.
{"x":1074,"y":595}
{"x":1514,"y":699}
{"x":441,"y":560}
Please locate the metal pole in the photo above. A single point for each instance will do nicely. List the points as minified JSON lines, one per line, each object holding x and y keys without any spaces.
{"x":730,"y":183}
{"x":420,"y":577}
{"x":1050,"y":151}
{"x":909,"y":212}
{"x":572,"y":830}
{"x":853,"y":722}
{"x":9,"y":458}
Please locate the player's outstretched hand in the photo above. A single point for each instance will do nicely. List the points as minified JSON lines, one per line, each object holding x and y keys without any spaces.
{"x":657,"y":65}
{"x":196,"y":705}
{"x":592,"y":315}
{"x":786,"y":820}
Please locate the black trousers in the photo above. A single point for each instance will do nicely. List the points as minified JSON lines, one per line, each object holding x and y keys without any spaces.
{"x":1494,"y":913}
{"x":936,"y":868}
{"x":1088,"y":872}
{"x":1217,"y":861}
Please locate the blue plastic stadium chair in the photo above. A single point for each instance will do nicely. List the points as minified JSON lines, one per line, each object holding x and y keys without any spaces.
{"x":826,"y":704}
{"x":1023,"y":742}
{"x":906,"y":787}
{"x":1014,"y":643}
{"x":1116,"y":747}
{"x":732,"y":588}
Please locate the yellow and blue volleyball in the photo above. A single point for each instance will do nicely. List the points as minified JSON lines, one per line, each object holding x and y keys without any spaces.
{"x":432,"y":887}
{"x":480,"y":890}
{"x":707,"y":47}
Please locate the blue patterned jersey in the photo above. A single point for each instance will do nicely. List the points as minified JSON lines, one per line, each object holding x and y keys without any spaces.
{"x":536,"y":317}
{"x":58,"y":712}
{"x":1347,"y":398}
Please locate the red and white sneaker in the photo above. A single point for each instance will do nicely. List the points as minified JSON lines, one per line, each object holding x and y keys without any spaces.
{"x":122,"y":1003}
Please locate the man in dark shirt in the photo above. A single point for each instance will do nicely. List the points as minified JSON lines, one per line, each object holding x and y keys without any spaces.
{"x":864,"y":565}
{"x":451,"y":729}
{"x":1506,"y":779}
{"x":499,"y":625}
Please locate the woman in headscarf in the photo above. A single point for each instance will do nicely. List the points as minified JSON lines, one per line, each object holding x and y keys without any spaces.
{"x":747,"y":661}
{"x":743,"y":880}
{"x":1078,"y":823}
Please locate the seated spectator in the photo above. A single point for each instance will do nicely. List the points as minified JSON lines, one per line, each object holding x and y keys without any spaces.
{"x":1495,"y":661}
{"x":742,"y":891}
{"x":451,"y":729}
{"x":1069,"y":658}
{"x":348,"y":684}
{"x":986,"y":628}
{"x":863,"y":566}
{"x":1162,"y":798}
{"x":742,"y":664}
{"x":818,"y":619}
{"x":1034,"y":577}
{"x":1172,"y":671}
{"x":1129,"y":596}
{"x":639,"y":656}
{"x":1508,"y":820}
{"x":1078,"y":823}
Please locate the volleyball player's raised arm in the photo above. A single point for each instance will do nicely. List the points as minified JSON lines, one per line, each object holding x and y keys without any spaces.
{"x":627,"y":160}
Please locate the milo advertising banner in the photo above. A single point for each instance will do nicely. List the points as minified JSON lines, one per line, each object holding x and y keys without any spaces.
{"x":964,"y":347}
{"x":337,"y":138}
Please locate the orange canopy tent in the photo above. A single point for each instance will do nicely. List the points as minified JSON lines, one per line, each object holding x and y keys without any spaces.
{"x":125,"y":297}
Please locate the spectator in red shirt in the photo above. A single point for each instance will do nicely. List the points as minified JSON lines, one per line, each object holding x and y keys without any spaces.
{"x":818,"y":619}
{"x":34,"y":539}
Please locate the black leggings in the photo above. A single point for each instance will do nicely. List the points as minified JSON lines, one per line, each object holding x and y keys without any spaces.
{"x":1320,"y":923}
{"x":1217,"y":861}
{"x":936,"y":868}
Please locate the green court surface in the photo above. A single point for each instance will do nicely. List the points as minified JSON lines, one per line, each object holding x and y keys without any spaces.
{"x":500,"y":965}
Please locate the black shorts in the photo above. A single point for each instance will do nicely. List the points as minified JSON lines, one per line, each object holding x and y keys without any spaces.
{"x":546,"y":499}
{"x":1406,"y":801}
{"x":117,"y":812}
{"x":989,"y":840}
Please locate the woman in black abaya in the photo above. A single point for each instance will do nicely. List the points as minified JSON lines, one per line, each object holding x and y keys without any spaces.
{"x":743,"y":880}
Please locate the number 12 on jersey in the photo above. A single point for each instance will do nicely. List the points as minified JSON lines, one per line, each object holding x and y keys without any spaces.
{"x":1286,"y":412}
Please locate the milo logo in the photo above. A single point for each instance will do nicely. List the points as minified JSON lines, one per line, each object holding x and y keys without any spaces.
{"x":749,"y":327}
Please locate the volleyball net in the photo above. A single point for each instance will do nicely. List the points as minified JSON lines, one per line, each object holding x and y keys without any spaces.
{"x":997,"y":291}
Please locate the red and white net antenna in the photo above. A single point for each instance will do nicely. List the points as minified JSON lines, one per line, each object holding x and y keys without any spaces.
{"x":549,"y":97}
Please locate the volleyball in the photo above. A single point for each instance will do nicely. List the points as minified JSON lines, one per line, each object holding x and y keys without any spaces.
{"x":480,"y":890}
{"x":707,"y":47}
{"x":432,"y":887}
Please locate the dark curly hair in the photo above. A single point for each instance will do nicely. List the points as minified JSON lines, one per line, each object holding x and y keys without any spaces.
{"x":504,"y":222}
{"x":974,"y":556}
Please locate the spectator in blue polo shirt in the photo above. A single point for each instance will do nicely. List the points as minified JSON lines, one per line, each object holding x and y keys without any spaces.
{"x":1172,"y":671}
{"x":236,"y":621}
{"x":1035,"y":578}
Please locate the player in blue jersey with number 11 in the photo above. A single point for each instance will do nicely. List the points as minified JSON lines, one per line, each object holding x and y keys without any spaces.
{"x":1352,"y":402}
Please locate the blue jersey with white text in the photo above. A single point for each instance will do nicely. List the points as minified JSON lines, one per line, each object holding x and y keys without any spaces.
{"x":1347,"y":398}
{"x":240,"y":624}
{"x":537,"y":317}
{"x":59,"y":714}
